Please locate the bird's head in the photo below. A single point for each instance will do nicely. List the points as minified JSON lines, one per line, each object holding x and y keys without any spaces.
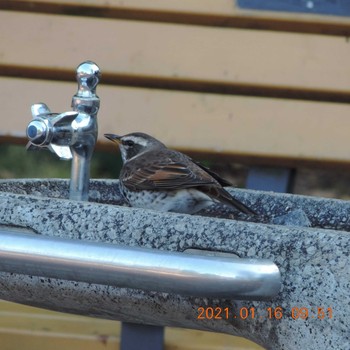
{"x":131,"y":145}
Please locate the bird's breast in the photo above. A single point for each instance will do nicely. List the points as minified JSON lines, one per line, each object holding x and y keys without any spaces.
{"x":180,"y":201}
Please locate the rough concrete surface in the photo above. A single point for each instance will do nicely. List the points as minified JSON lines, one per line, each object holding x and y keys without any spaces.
{"x":306,"y":237}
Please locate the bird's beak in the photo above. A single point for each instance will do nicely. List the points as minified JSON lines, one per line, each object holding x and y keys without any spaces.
{"x":114,"y":138}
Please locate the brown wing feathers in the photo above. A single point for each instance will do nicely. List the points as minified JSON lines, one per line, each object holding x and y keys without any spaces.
{"x":167,"y":177}
{"x":176,"y":173}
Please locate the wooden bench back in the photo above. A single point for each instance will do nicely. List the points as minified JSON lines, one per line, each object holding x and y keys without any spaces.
{"x":201,"y":75}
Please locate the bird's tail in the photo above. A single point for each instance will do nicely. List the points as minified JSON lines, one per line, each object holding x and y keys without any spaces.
{"x":221,"y":195}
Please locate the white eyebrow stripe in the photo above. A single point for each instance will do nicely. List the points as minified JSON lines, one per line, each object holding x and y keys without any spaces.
{"x":139,"y":140}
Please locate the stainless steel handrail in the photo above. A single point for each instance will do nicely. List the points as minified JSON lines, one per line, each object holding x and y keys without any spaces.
{"x":138,"y":268}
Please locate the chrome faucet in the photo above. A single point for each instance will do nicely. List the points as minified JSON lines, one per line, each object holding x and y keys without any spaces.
{"x":73,"y":134}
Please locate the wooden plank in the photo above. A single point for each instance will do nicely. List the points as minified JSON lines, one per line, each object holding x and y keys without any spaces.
{"x":32,"y":328}
{"x":224,"y":13}
{"x":174,"y":52}
{"x":248,"y":128}
{"x":185,"y":339}
{"x":34,"y":341}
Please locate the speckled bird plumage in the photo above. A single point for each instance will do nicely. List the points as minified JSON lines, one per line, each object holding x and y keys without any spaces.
{"x":155,"y":177}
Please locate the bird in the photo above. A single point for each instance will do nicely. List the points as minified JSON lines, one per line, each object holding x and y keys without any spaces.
{"x":156,"y":177}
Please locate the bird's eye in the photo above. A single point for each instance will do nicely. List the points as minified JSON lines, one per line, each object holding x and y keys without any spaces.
{"x":128,"y":143}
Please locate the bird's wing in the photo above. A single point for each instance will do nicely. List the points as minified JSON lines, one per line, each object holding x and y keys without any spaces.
{"x":177,"y":172}
{"x":168,"y":174}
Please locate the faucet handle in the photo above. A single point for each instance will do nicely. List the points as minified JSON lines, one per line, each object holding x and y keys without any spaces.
{"x":45,"y":125}
{"x":63,"y":152}
{"x":38,"y":130}
{"x":40,"y":109}
{"x":65,"y":118}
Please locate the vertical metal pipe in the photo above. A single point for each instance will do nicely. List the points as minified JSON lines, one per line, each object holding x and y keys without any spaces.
{"x":80,"y":177}
{"x":87,"y":103}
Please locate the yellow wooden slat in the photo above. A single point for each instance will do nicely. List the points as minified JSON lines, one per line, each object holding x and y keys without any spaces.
{"x":223,"y":124}
{"x":32,"y":328}
{"x":175,"y":52}
{"x":24,"y":327}
{"x":205,"y":12}
{"x":184,"y":339}
{"x":10,"y":341}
